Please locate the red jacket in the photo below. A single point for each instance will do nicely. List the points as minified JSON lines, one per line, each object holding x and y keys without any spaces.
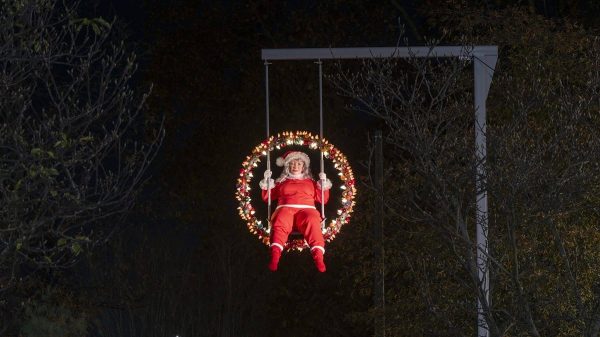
{"x":297,"y":192}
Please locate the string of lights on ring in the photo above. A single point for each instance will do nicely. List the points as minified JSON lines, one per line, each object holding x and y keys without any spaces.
{"x":247,"y":211}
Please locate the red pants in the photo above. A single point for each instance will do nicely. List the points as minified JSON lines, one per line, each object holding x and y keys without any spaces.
{"x":307,"y":221}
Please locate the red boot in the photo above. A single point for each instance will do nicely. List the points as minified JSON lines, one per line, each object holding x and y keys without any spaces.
{"x":275,"y":255}
{"x":317,"y":255}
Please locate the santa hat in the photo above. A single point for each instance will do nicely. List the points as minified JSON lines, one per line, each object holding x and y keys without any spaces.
{"x":291,"y":155}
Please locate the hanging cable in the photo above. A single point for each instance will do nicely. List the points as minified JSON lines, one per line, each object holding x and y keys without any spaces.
{"x":268,"y":149}
{"x":321,"y":137}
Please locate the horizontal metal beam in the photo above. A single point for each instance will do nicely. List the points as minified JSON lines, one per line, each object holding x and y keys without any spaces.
{"x":375,"y":52}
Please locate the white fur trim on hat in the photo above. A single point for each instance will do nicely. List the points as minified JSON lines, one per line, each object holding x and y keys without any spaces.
{"x":279,"y":161}
{"x":291,"y":155}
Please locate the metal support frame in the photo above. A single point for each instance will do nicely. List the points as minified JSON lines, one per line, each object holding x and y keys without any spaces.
{"x":484,"y":62}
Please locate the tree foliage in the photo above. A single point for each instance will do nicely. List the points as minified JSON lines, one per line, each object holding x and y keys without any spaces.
{"x":541,"y":173}
{"x":73,"y":149}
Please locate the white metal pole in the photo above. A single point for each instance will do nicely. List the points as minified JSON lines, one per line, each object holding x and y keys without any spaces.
{"x":483,"y":69}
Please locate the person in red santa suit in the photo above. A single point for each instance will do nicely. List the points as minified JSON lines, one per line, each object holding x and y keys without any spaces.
{"x":296,"y":193}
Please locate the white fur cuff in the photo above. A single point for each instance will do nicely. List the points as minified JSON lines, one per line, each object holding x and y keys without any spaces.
{"x":277,"y":245}
{"x":263,"y":184}
{"x":319,"y":248}
{"x":326,"y":186}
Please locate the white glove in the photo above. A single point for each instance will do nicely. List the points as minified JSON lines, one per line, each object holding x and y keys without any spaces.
{"x":266,"y":183}
{"x":268,"y":174}
{"x":323,"y":182}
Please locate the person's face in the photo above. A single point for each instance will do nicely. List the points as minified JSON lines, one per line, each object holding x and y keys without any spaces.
{"x":296,"y":166}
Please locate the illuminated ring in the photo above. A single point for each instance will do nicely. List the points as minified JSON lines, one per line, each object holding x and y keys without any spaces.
{"x":298,"y":138}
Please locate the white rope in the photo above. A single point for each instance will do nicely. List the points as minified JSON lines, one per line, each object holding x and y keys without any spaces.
{"x":321,"y":137}
{"x":268,"y":150}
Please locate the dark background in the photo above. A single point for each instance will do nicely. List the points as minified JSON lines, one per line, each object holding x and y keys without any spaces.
{"x":184,"y":263}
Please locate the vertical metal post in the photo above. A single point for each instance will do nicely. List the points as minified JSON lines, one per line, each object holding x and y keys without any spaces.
{"x":378,"y":244}
{"x":483,"y":68}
